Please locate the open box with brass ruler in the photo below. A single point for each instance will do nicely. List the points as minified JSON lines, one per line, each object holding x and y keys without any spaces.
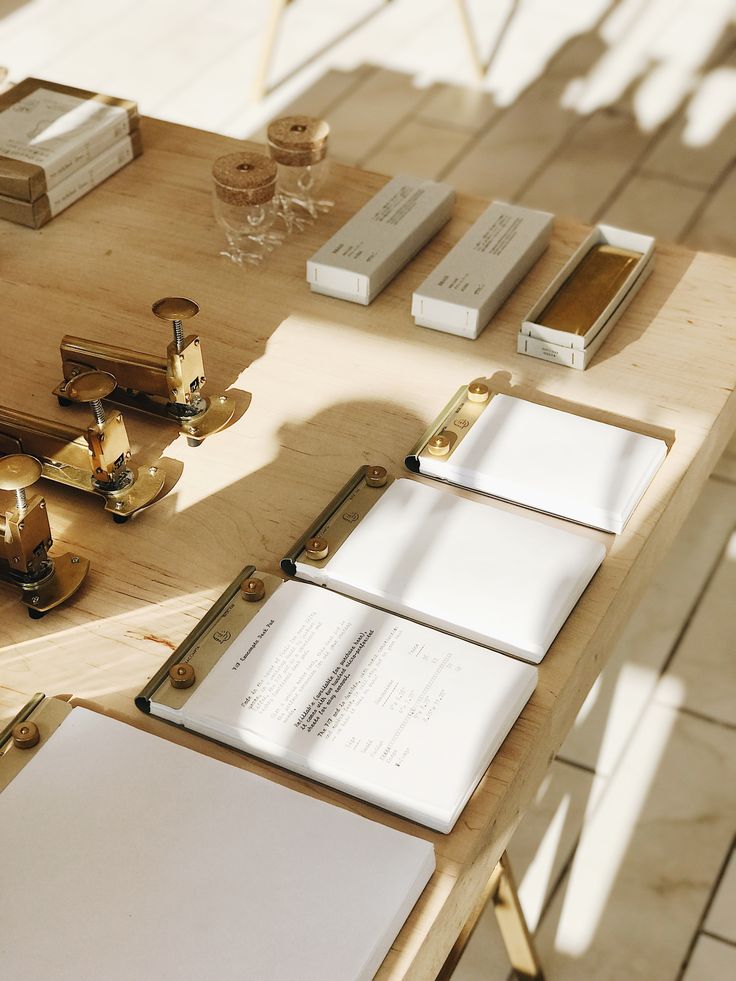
{"x":580,"y":307}
{"x":544,"y":458}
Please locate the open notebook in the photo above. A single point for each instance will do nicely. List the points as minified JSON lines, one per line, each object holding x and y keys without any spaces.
{"x":387,"y":710}
{"x":496,"y":577}
{"x":546,"y":459}
{"x":126,"y":856}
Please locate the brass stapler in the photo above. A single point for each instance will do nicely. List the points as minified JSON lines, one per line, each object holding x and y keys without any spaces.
{"x":25,"y":539}
{"x":169,"y":387}
{"x":94,"y":460}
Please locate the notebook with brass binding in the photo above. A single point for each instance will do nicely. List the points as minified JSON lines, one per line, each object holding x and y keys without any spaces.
{"x":128,"y":856}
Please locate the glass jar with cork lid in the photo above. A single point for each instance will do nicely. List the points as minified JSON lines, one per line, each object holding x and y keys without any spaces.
{"x":244,"y":186}
{"x":298,"y":145}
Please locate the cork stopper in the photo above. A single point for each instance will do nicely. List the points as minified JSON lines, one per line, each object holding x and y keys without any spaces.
{"x":298,"y":141}
{"x":244,"y":178}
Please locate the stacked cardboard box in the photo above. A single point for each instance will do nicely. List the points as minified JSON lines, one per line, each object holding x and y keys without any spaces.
{"x":56,"y":144}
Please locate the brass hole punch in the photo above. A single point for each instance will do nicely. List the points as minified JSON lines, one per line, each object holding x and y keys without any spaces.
{"x":95,"y":460}
{"x":25,"y":540}
{"x":170,"y":387}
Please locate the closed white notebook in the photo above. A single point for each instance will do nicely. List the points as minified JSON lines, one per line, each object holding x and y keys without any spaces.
{"x":503,"y":579}
{"x":126,"y":856}
{"x":387,"y":710}
{"x":553,"y":461}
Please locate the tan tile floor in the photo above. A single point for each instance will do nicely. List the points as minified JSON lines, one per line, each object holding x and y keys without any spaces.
{"x":619,"y":110}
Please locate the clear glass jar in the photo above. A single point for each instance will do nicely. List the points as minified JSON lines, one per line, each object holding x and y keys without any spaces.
{"x":298,"y":145}
{"x":245,"y":205}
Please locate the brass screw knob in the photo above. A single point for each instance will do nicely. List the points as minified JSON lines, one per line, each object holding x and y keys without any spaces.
{"x":253,"y":589}
{"x":439,"y":445}
{"x":18,"y":471}
{"x":478,"y":392}
{"x":182,"y":675}
{"x":25,"y":735}
{"x":317,"y":548}
{"x":175,"y":309}
{"x":376,"y":476}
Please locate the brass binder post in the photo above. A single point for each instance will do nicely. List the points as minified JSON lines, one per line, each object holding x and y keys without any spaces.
{"x":169,"y":387}
{"x":94,"y":460}
{"x":333,"y":526}
{"x":478,"y":392}
{"x":317,"y":548}
{"x":253,"y":589}
{"x":439,"y":445}
{"x":376,"y":476}
{"x":25,"y":735}
{"x":182,"y":675}
{"x":25,"y":540}
{"x":451,"y":426}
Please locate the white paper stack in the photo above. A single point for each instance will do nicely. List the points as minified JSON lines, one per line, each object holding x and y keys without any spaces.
{"x":503,"y":579}
{"x":126,"y":856}
{"x":390,"y":711}
{"x":553,"y":461}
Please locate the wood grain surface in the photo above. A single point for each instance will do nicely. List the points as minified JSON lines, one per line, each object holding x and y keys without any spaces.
{"x":334,"y":385}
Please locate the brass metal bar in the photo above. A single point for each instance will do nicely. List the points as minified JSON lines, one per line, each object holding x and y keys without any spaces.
{"x":12,"y":420}
{"x":143,"y":699}
{"x":288,"y":563}
{"x":411,"y":461}
{"x":132,"y":369}
{"x":25,"y":713}
{"x":51,"y":442}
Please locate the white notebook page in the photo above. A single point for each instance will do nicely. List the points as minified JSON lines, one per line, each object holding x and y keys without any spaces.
{"x":496,"y":577}
{"x":388,"y":710}
{"x":554,"y":461}
{"x":125,"y":856}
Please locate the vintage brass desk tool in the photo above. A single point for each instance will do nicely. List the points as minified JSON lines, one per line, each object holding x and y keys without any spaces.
{"x":95,"y":460}
{"x":170,"y":387}
{"x":25,"y":540}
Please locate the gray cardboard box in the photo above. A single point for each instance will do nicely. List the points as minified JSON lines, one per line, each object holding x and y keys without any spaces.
{"x":464,"y":291}
{"x":378,"y":241}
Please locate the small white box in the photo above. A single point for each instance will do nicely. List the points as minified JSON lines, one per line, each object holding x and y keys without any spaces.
{"x":464,"y":291}
{"x":576,"y":350}
{"x":378,"y":241}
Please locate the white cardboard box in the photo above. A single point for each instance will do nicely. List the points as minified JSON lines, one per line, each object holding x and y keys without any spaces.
{"x":575,"y":350}
{"x":377,"y":242}
{"x":465,"y":290}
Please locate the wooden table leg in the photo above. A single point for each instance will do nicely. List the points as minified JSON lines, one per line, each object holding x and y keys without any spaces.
{"x":501,"y":891}
{"x":479,"y":68}
{"x":260,"y":79}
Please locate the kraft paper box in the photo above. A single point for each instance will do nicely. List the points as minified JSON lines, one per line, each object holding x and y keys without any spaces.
{"x":474,"y":279}
{"x":48,"y":131}
{"x":36,"y":213}
{"x":378,"y":241}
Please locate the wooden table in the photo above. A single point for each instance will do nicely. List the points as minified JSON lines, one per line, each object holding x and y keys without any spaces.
{"x":334,"y":385}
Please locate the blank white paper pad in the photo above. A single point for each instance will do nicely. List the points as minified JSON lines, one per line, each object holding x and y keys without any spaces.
{"x":554,"y":461}
{"x":498,"y":578}
{"x":125,"y":856}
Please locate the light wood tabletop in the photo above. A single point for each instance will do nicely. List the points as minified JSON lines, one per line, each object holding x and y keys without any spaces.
{"x":334,"y":385}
